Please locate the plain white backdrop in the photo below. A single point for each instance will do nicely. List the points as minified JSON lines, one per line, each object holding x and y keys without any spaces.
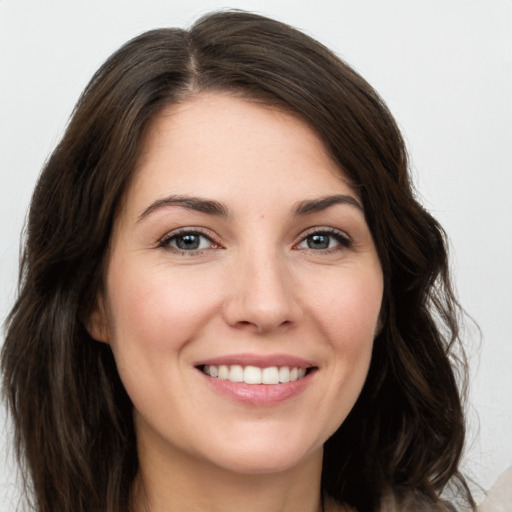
{"x":444,"y":67}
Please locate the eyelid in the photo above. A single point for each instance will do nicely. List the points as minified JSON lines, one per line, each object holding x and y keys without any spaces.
{"x":345,"y":241}
{"x":163,"y":242}
{"x":344,"y":238}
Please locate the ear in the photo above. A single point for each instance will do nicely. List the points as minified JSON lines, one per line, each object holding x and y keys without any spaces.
{"x":96,"y":322}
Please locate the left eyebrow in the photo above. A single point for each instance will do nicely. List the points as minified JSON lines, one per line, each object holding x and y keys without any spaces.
{"x":322,"y":203}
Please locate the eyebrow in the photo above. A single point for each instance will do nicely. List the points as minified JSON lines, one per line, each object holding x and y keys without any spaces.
{"x":211,"y":207}
{"x":322,"y":203}
{"x":191,"y":203}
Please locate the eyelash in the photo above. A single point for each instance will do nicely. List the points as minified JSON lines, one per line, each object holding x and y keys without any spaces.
{"x":343,"y":241}
{"x":166,"y":241}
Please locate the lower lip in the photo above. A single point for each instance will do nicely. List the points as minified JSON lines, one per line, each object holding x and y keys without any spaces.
{"x":258,"y":394}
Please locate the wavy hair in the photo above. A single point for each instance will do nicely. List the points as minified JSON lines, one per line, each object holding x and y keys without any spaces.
{"x":401,"y":444}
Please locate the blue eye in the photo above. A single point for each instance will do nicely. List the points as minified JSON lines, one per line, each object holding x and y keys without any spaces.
{"x":324,"y":240}
{"x":187,"y":241}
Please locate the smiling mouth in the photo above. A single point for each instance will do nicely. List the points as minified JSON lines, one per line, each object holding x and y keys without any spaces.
{"x":254,"y":375}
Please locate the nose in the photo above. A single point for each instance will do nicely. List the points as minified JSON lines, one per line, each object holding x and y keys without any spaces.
{"x":262,"y":294}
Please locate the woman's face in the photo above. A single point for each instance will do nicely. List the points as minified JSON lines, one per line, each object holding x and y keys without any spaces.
{"x":240,"y":255}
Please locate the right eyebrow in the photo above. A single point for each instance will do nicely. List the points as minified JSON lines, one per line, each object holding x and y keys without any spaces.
{"x":191,"y":203}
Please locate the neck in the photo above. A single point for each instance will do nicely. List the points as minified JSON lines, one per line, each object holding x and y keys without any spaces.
{"x":168,"y":482}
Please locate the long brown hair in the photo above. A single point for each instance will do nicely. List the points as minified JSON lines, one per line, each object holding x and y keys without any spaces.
{"x":73,"y":419}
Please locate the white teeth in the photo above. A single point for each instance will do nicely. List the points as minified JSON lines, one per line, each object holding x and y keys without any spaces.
{"x":236,"y":373}
{"x":270,"y":375}
{"x":252,"y":375}
{"x":255,"y":375}
{"x":284,"y":374}
{"x":223,"y":372}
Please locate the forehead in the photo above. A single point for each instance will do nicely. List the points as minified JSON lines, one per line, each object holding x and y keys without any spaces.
{"x":216,"y":144}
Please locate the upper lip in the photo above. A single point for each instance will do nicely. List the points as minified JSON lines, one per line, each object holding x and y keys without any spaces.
{"x":258,"y":360}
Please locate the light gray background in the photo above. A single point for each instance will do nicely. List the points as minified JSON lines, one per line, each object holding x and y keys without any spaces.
{"x":443,"y":66}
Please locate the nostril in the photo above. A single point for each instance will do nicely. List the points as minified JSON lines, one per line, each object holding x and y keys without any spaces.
{"x":261,"y":325}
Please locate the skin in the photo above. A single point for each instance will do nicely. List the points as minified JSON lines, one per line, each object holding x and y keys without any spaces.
{"x":257,"y":285}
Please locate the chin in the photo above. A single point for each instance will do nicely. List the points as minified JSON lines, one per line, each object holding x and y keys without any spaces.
{"x":256,"y":458}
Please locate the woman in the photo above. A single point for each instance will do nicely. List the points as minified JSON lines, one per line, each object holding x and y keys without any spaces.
{"x":230,"y":297}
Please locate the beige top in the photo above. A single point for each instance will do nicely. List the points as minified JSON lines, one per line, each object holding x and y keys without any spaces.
{"x":499,"y":498}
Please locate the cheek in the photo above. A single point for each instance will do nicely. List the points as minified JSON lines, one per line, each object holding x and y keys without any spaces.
{"x":348,"y":307}
{"x":153,"y":315}
{"x":156,"y":309}
{"x":348,"y":316}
